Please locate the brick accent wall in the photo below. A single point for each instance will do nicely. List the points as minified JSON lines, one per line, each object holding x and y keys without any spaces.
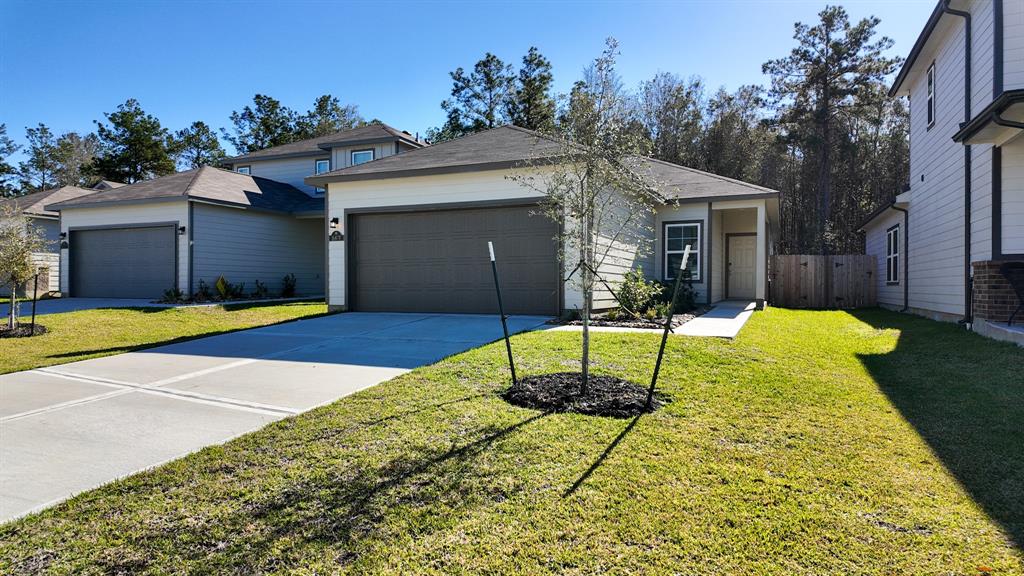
{"x":994,"y":299}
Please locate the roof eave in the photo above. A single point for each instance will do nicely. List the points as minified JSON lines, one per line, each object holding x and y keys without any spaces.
{"x":922,"y":39}
{"x":321,"y":179}
{"x":989,"y":115}
{"x":71,"y":204}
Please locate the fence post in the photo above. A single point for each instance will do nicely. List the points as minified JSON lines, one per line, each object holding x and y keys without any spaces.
{"x":501,"y":311}
{"x":668,"y":326}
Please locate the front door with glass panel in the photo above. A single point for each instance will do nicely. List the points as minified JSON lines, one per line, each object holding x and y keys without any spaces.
{"x":741,"y":257}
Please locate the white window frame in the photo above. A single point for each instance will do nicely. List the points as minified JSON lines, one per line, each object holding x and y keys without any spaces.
{"x":316,"y":170}
{"x":892,"y":255}
{"x":930,"y":90}
{"x":695,"y":251}
{"x":352,"y":156}
{"x":247,"y":170}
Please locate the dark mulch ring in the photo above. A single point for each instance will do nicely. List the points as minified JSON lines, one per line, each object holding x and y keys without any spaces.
{"x":22,"y":330}
{"x":630,"y":322}
{"x":559,"y":392}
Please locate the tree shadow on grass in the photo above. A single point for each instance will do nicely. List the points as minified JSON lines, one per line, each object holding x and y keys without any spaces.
{"x":341,"y":507}
{"x":604,"y":456}
{"x":964,"y":394}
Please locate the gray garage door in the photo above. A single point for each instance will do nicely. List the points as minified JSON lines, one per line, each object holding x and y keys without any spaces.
{"x":122,"y":262}
{"x":437,"y":261}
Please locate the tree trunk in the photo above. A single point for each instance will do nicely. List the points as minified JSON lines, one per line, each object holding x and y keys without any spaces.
{"x":12,"y":313}
{"x":588,"y":291}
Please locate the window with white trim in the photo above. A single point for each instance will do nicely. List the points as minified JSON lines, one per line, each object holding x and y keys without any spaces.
{"x":361,"y":156}
{"x":243,"y":169}
{"x":676,"y":237}
{"x":322,"y":166}
{"x":892,"y":255}
{"x":931,"y":95}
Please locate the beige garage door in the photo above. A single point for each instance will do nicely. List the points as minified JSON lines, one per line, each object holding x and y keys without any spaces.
{"x":437,"y":261}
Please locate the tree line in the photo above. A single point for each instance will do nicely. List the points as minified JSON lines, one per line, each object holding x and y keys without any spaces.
{"x":823,"y":132}
{"x":130,"y":145}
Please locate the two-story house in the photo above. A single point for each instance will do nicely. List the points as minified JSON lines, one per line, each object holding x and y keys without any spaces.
{"x":940,"y":243}
{"x":253,"y":220}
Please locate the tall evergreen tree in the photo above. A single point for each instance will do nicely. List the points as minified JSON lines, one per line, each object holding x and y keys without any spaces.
{"x":74,"y":154}
{"x":818,"y":89}
{"x":671,"y":110}
{"x":530,"y":104}
{"x":479,"y":99}
{"x":39,"y":170}
{"x":327,"y":116}
{"x":264,"y":124}
{"x":197,"y":146}
{"x":133,"y":146}
{"x":8,"y":173}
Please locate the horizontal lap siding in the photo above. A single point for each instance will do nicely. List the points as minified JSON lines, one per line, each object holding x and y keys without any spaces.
{"x":245,"y":246}
{"x":622,"y":255}
{"x":683,"y":212}
{"x":1013,"y":44}
{"x":288,"y":170}
{"x":875,"y":245}
{"x":1013,"y":198}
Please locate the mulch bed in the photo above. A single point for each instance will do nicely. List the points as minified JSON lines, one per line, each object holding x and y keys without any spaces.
{"x":559,"y":392}
{"x":658,"y":323}
{"x":22,"y":330}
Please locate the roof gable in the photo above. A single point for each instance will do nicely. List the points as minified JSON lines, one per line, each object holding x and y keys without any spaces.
{"x":369,"y":133}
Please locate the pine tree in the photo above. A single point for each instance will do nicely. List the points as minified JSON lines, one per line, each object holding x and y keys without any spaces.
{"x":74,"y":154}
{"x":267,"y":123}
{"x":327,"y":116}
{"x":530,"y":104}
{"x":197,"y":146}
{"x":8,"y":173}
{"x":39,"y":171}
{"x":479,"y":99}
{"x":133,"y":146}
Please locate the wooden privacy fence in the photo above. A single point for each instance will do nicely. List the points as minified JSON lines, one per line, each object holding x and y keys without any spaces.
{"x":809,"y":281}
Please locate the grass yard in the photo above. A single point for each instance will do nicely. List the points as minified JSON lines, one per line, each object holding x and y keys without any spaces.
{"x":92,"y":333}
{"x":816,"y":443}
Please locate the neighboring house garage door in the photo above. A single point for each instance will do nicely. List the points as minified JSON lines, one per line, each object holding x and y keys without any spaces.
{"x":437,"y":261}
{"x":122,"y":262}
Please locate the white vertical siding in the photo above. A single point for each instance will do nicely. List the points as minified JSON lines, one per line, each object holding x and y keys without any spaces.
{"x":1013,"y":44}
{"x":888,"y":295}
{"x":132,"y":214}
{"x":1013,"y":197}
{"x":247,"y":245}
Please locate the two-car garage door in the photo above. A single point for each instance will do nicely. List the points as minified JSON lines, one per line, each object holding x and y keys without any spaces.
{"x":122,"y":262}
{"x":437,"y":261}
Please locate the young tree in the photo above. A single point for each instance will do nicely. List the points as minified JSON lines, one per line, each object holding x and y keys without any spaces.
{"x":197,"y":146}
{"x":530,"y":104}
{"x":19,"y":240}
{"x":597,"y":187}
{"x":478,"y":99}
{"x":816,"y":89}
{"x":8,"y":173}
{"x":73,"y":155}
{"x":39,"y":171}
{"x":326,"y":117}
{"x":264,"y":124}
{"x":133,"y":147}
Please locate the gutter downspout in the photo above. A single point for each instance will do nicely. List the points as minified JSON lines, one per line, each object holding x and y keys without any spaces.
{"x":968,"y":279}
{"x":905,"y":252}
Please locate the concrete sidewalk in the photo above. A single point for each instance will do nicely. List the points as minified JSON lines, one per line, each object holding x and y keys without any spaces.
{"x":72,"y":427}
{"x":725,"y":320}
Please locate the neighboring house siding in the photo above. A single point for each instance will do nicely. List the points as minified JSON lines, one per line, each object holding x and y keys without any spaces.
{"x":470,"y":187}
{"x":890,"y":296}
{"x":342,"y":157}
{"x":288,"y":170}
{"x":51,"y":231}
{"x":246,"y":245}
{"x":175,"y":211}
{"x":936,"y":254}
{"x":1013,"y":197}
{"x":1013,"y":44}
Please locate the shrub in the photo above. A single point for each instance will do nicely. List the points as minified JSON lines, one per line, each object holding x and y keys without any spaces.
{"x":687,"y":299}
{"x":202,"y":293}
{"x":261,"y":290}
{"x":228,"y":291}
{"x":172,"y":296}
{"x":288,"y":286}
{"x":613,"y":314}
{"x":636,"y":294}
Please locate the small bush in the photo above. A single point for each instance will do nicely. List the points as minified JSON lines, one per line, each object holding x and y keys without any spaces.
{"x":172,"y":296}
{"x":261,"y":291}
{"x":288,"y":286}
{"x":687,"y":299}
{"x":636,"y":293}
{"x":613,"y":314}
{"x":202,"y":293}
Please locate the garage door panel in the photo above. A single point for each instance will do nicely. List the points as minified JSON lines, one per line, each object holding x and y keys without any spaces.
{"x":122,"y":262}
{"x":437,"y":261}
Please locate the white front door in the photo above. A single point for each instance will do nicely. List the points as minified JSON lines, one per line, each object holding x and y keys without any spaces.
{"x":741,"y":255}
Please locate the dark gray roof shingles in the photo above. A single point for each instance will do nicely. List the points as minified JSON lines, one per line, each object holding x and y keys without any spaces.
{"x":312,"y":145}
{"x":34,"y":204}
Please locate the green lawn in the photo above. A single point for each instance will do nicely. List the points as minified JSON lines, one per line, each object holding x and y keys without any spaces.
{"x":816,"y":443}
{"x":91,"y":333}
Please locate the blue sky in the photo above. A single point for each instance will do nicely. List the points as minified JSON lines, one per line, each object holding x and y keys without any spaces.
{"x":65,"y":63}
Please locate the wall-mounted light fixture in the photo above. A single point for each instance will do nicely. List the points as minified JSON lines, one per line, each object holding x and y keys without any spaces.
{"x":335,"y":223}
{"x":181,"y":231}
{"x":63,"y":235}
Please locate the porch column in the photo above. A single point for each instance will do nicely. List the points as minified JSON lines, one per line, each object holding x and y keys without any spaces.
{"x":760,"y":292}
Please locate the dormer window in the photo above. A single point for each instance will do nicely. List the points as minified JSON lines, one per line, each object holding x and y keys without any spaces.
{"x":361,"y":156}
{"x":931,"y":95}
{"x":243,"y":169}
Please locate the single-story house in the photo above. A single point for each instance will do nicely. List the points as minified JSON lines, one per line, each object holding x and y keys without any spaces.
{"x":33,"y":207}
{"x":409,"y":232}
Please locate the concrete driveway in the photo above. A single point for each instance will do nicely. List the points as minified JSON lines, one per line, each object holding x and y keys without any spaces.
{"x":72,"y":427}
